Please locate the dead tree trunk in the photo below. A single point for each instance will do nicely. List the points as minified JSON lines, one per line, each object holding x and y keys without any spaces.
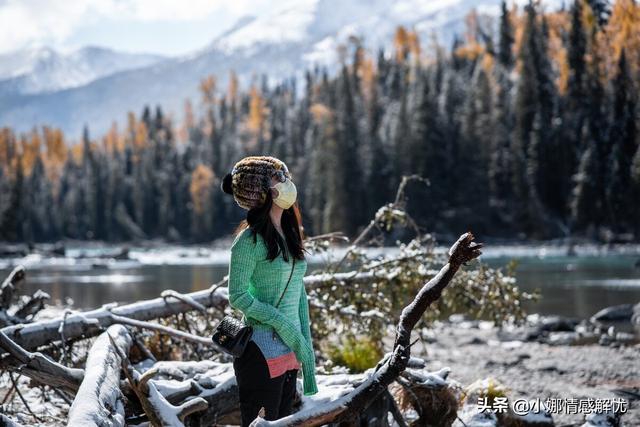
{"x":160,"y":412}
{"x":38,"y":367}
{"x":8,"y":287}
{"x":91,"y":323}
{"x":99,"y":401}
{"x":13,"y":311}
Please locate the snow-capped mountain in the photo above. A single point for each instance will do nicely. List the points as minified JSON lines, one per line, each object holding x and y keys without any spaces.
{"x":37,"y":70}
{"x":286,"y":41}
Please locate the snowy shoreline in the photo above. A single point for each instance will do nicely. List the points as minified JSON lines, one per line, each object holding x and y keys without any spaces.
{"x":78,"y":255}
{"x":536,"y":368}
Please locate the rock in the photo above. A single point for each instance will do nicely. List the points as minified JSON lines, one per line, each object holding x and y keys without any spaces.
{"x":13,"y":251}
{"x":457,"y":318}
{"x":629,"y":393}
{"x":635,"y":317}
{"x":474,"y":341}
{"x":489,"y":363}
{"x":511,"y":345}
{"x":123,"y":254}
{"x":605,"y":419}
{"x":536,"y":414}
{"x":563,"y":338}
{"x":605,"y":340}
{"x":572,"y":338}
{"x":625,"y":338}
{"x":470,"y":416}
{"x":469,"y":324}
{"x":59,"y":249}
{"x":557,"y":324}
{"x":538,"y":328}
{"x":551,"y":367}
{"x":616,"y":339}
{"x":616,"y":313}
{"x":525,"y":333}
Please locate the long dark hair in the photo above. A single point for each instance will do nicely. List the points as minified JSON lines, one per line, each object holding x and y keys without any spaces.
{"x":259,"y":221}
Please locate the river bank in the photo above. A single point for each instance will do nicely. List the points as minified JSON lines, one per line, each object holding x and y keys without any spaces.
{"x":179,"y":253}
{"x":541,"y":366}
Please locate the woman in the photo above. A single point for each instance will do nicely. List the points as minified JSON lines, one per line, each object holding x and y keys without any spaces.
{"x":262,"y":275}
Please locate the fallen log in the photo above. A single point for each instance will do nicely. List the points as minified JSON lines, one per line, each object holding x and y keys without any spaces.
{"x":91,"y":323}
{"x":215,"y":382}
{"x":160,"y":412}
{"x":347,"y":408}
{"x":165,"y":330}
{"x":179,"y":381}
{"x":99,"y":401}
{"x":40,"y":368}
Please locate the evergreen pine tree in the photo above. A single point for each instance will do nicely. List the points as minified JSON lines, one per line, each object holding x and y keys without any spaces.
{"x":623,"y":135}
{"x":505,"y":51}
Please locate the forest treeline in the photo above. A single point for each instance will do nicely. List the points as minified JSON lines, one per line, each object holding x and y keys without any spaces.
{"x":527,"y":131}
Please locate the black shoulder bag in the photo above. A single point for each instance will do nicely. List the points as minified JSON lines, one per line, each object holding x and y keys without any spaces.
{"x":232,"y":336}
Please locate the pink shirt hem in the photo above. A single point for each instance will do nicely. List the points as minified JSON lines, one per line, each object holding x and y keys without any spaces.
{"x":281,"y":364}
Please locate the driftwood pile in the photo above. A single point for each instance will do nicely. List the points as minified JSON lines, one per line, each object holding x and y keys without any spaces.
{"x":122,"y":383}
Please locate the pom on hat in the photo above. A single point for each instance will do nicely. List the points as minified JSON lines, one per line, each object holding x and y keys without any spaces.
{"x":251,"y":179}
{"x":227,"y":182}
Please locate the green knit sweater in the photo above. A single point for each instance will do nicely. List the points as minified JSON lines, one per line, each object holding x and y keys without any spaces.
{"x":255,"y":284}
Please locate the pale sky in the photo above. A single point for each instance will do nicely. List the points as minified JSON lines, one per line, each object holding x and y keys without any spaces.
{"x":168,"y":27}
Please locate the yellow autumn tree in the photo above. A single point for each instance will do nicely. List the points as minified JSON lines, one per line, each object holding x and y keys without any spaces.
{"x":559,"y":24}
{"x":472,"y":49}
{"x":623,"y":32}
{"x":518,"y":24}
{"x":113,"y":141}
{"x":414,"y":43}
{"x":208,"y":90}
{"x":320,"y":113}
{"x":257,"y":111}
{"x":401,"y":43}
{"x":30,"y":146}
{"x":56,"y":148}
{"x":232,"y":91}
{"x":202,"y":179}
{"x":188,"y":122}
{"x":55,"y":155}
{"x":76,"y":151}
{"x":367,"y":78}
{"x":7,"y":147}
{"x":130,"y":134}
{"x":142,"y":133}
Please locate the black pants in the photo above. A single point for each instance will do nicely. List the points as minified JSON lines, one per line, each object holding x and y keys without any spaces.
{"x":256,"y":389}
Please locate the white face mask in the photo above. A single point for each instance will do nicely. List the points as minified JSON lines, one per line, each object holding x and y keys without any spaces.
{"x":287,"y":193}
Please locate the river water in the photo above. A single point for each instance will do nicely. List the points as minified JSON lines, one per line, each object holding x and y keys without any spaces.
{"x":576,"y":285}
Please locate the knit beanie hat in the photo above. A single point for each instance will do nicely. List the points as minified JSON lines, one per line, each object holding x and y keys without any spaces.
{"x":250,"y":179}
